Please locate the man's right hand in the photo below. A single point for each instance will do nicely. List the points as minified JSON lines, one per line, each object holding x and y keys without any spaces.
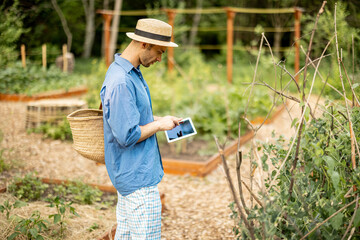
{"x":168,"y":122}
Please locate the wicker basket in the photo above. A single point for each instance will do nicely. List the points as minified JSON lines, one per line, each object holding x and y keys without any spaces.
{"x":88,"y":133}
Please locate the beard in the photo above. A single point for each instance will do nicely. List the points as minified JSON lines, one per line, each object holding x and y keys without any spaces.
{"x":146,"y":60}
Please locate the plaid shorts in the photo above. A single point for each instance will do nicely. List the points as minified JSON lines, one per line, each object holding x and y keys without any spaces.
{"x":139,"y":215}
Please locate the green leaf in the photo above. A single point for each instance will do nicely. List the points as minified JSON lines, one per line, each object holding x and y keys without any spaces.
{"x":62,"y":209}
{"x":357,"y":219}
{"x":318,"y":161}
{"x":19,"y":204}
{"x":294,"y":122}
{"x":355,"y":85}
{"x":39,"y":237}
{"x":335,"y":178}
{"x":33,"y":232}
{"x":12,"y":236}
{"x":57,"y":218}
{"x":337,"y":221}
{"x":330,"y":162}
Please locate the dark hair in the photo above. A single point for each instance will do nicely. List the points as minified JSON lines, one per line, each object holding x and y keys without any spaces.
{"x":138,"y":42}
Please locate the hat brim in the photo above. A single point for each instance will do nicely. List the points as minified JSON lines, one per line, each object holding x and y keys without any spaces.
{"x":149,"y":40}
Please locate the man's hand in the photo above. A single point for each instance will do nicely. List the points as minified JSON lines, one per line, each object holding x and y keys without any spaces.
{"x":160,"y":124}
{"x":167,"y":122}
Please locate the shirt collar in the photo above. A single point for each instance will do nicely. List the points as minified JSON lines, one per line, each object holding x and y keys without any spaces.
{"x":124,"y":63}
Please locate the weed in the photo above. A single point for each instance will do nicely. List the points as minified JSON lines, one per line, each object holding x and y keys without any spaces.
{"x":61,"y":209}
{"x":93,"y":227}
{"x":54,"y":130}
{"x":83,"y":193}
{"x":6,"y":207}
{"x":31,"y":227}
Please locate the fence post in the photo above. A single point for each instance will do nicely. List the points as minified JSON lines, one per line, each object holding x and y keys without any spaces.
{"x":107,"y":18}
{"x":65,"y":60}
{"x":171,"y":17}
{"x":297,"y":39}
{"x":44,"y":56}
{"x":230,"y":41}
{"x":23,"y":56}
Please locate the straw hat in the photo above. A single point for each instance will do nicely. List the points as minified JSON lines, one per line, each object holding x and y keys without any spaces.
{"x":152,"y":31}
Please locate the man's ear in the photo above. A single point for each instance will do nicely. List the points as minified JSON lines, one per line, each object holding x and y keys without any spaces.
{"x":143,"y":45}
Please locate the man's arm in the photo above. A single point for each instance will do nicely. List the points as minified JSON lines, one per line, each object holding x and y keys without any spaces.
{"x":160,"y":124}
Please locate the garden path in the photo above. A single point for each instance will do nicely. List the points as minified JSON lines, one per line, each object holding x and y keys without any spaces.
{"x":196,"y":208}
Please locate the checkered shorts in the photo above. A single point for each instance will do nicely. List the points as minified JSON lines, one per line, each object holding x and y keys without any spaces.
{"x":139,"y":215}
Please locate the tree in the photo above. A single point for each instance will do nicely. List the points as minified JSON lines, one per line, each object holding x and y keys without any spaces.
{"x":11,"y":28}
{"x":90,"y":27}
{"x":196,"y":22}
{"x":115,"y":27}
{"x":64,"y":24}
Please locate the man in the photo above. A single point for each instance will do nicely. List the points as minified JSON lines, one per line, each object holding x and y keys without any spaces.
{"x":132,"y":154}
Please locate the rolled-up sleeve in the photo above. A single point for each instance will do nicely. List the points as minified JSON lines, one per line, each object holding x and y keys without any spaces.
{"x":123,"y":116}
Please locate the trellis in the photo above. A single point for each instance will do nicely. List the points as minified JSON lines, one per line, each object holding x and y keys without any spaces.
{"x":230,"y":13}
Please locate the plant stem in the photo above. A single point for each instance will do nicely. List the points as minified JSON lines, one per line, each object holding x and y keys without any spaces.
{"x":238,"y":170}
{"x":353,"y":217}
{"x":303,"y":98}
{"x":252,"y":86}
{"x":231,"y":185}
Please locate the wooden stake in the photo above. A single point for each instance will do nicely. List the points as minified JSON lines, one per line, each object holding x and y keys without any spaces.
{"x":44,"y":56}
{"x":65,"y":60}
{"x":297,"y":42}
{"x":171,"y":18}
{"x":23,"y":56}
{"x":230,"y":41}
{"x":107,"y":18}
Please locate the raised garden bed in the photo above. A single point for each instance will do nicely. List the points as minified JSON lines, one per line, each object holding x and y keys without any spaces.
{"x":108,"y":190}
{"x":103,"y":188}
{"x":72,"y":92}
{"x":191,"y":164}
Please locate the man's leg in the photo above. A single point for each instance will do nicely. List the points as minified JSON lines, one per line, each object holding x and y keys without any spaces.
{"x":144,"y":213}
{"x":122,"y":229}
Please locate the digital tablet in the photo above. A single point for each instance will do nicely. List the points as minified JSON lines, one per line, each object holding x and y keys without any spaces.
{"x":185,"y":129}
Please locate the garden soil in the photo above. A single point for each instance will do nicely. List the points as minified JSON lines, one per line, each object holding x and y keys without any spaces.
{"x":195,"y":208}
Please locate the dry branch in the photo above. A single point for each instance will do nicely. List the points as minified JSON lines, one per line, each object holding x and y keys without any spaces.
{"x":238,"y":170}
{"x":303,"y":97}
{"x":231,"y":185}
{"x":279,"y":93}
{"x":352,"y":137}
{"x":252,"y":194}
{"x":351,"y":86}
{"x":252,"y":85}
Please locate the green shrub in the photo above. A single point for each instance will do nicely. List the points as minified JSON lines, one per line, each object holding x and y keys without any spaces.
{"x":62,"y":208}
{"x":83,"y":193}
{"x":11,"y":28}
{"x":28,"y":188}
{"x":33,"y":79}
{"x":31,"y":228}
{"x":59,"y":130}
{"x":323,"y":179}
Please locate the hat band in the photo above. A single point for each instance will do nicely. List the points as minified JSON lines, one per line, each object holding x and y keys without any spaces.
{"x":152,"y":35}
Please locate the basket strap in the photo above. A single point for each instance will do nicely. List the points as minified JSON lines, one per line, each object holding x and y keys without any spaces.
{"x":100,"y":107}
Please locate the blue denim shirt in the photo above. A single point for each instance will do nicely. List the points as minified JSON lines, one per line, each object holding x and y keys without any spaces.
{"x":126,"y":104}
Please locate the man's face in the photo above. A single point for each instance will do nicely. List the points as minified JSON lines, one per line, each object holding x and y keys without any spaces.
{"x":151,"y":54}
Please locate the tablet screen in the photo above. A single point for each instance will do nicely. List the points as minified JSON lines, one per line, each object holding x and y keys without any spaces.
{"x":185,"y":129}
